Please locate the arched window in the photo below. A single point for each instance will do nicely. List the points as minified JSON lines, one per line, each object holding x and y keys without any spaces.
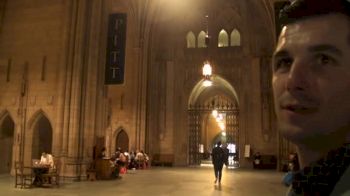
{"x":191,"y":40}
{"x":201,"y":40}
{"x":235,"y":38}
{"x":223,"y":39}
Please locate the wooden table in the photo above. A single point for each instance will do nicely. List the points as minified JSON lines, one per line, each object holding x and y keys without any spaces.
{"x":38,"y":170}
{"x":103,"y":169}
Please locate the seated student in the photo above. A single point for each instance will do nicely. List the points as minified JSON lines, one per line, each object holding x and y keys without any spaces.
{"x":122,"y":162}
{"x":114,"y":167}
{"x":146,"y":161}
{"x":140,"y":158}
{"x":132,"y":164}
{"x":47,"y":159}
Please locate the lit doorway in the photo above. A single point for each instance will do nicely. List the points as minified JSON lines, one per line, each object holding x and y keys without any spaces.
{"x":206,"y":130}
{"x":204,"y":127}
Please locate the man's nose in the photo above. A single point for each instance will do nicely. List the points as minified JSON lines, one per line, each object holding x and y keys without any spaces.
{"x":299,"y":77}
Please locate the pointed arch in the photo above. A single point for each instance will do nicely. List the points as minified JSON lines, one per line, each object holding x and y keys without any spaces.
{"x":121,"y":139}
{"x":7,"y":126}
{"x":218,"y":82}
{"x":4,"y":114}
{"x":191,"y":40}
{"x":7,"y":132}
{"x":235,"y":38}
{"x":36,"y":116}
{"x":204,"y":127}
{"x":42,"y":134}
{"x":223,"y":39}
{"x":201,"y":40}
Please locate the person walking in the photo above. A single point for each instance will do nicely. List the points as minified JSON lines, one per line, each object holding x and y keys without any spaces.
{"x":218,"y":159}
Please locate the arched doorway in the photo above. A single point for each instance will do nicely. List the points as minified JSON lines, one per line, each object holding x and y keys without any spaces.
{"x":122,"y":141}
{"x":42,"y":137}
{"x":207,"y":126}
{"x":7,"y":127}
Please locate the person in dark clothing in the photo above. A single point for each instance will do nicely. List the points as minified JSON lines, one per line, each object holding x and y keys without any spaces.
{"x":226,"y":153}
{"x":293,"y":163}
{"x":218,"y":159}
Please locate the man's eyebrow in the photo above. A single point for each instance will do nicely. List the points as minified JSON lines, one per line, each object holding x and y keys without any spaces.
{"x":325,"y":48}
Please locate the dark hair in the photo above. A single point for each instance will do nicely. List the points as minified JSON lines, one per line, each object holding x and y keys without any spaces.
{"x":302,"y":9}
{"x":219,"y":143}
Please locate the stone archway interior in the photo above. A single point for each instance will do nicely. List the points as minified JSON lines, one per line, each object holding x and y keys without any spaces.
{"x":6,"y":142}
{"x":224,"y":126}
{"x":42,"y":137}
{"x":211,"y":126}
{"x":203,"y":127}
{"x":122,"y":141}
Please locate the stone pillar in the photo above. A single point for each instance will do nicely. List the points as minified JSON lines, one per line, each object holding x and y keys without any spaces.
{"x":64,"y":83}
{"x":92,"y":82}
{"x":75,"y":76}
{"x":167,"y":143}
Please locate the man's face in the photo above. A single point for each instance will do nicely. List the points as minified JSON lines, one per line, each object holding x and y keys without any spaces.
{"x":311,"y":78}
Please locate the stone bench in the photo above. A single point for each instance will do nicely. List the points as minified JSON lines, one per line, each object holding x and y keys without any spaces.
{"x":267,"y":162}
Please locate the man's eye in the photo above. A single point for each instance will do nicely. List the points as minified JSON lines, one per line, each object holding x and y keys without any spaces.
{"x":323,"y":59}
{"x":283,"y":64}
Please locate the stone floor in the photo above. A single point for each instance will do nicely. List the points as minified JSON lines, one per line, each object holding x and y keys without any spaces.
{"x":198,"y":181}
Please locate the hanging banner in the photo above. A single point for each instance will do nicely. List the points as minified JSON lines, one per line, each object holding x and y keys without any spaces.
{"x":115,"y":54}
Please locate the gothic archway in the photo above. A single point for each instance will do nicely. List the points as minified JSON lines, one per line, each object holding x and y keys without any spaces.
{"x":203,"y":127}
{"x":7,"y":128}
{"x":122,"y":141}
{"x":42,"y":136}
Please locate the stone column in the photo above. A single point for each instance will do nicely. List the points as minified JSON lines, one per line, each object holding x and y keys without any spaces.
{"x":73,"y":96}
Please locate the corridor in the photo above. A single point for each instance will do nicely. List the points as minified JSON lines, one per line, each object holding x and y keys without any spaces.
{"x":197,"y":181}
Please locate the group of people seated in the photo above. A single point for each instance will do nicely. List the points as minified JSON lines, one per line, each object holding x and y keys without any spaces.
{"x":121,"y":161}
{"x":112,"y":165}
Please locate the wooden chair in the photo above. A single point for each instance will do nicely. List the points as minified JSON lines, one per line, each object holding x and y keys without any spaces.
{"x":23,"y":175}
{"x":91,"y":172}
{"x":53,"y":176}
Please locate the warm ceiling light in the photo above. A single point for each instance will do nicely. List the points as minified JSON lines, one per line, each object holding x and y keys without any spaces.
{"x":207,"y":70}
